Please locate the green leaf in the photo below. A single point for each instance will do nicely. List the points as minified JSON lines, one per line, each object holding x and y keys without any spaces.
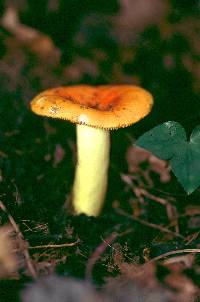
{"x":168,"y":141}
{"x":162,"y":140}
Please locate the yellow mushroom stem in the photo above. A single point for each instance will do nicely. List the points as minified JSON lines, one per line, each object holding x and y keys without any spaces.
{"x":90,"y":184}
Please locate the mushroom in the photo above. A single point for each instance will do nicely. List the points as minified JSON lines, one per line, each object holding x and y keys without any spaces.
{"x":95,"y":110}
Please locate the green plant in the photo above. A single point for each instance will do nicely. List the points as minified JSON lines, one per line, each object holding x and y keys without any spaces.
{"x":168,"y":141}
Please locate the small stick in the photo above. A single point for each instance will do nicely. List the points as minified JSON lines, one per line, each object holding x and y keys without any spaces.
{"x":149,"y":224}
{"x":97,"y":254}
{"x":21,"y":239}
{"x":54,"y":246}
{"x":173,"y":253}
{"x":101,"y":249}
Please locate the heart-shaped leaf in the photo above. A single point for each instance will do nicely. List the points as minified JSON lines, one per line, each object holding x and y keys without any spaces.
{"x":163,"y":139}
{"x":168,"y":141}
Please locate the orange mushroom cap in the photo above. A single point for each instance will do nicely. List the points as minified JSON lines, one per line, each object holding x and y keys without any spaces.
{"x":107,"y":107}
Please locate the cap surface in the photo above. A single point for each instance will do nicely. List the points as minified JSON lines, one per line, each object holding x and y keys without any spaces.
{"x":108,"y":107}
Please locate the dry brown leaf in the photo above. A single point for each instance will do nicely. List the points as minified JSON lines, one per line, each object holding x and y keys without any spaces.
{"x":135,"y":15}
{"x":186,"y":290}
{"x":136,"y":156}
{"x":8,"y":258}
{"x":38,"y":42}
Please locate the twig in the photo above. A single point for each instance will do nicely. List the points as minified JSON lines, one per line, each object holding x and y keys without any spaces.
{"x":22,"y":240}
{"x":141,"y":191}
{"x":53,"y":246}
{"x":101,"y":249}
{"x":149,"y":224}
{"x":97,"y":254}
{"x":173,"y":253}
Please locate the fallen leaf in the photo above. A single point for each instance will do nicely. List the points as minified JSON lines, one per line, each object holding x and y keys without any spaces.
{"x":8,"y":258}
{"x":137,"y":156}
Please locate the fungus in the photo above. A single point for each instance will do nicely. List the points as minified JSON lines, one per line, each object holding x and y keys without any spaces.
{"x":95,"y":110}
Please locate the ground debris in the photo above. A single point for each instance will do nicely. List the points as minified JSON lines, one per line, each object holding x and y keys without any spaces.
{"x":38,"y":42}
{"x":8,"y":259}
{"x":137,"y":288}
{"x":136,"y":156}
{"x":140,"y":283}
{"x":53,"y":289}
